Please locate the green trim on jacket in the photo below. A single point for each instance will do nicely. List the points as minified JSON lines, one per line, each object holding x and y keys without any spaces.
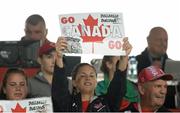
{"x":132,"y":94}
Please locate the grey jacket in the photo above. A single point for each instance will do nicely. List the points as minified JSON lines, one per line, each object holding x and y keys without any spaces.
{"x":38,"y":86}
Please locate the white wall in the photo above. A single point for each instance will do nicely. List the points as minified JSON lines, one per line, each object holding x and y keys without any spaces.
{"x":139,"y":17}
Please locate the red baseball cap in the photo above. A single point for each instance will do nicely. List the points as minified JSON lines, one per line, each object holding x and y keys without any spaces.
{"x":46,"y":48}
{"x":153,"y":73}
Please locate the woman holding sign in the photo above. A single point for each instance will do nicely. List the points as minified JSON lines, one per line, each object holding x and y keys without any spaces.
{"x":84,"y":79}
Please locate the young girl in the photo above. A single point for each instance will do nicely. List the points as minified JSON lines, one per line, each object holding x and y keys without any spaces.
{"x":84,"y":79}
{"x":14,"y":85}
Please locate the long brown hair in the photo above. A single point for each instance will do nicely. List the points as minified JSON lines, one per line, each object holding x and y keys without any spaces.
{"x":76,"y":70}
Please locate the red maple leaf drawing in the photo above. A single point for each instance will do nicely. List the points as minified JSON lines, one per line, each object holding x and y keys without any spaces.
{"x":91,"y":22}
{"x":18,"y":109}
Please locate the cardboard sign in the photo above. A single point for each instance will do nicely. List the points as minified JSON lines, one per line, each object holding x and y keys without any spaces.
{"x":34,"y":105}
{"x":93,"y":33}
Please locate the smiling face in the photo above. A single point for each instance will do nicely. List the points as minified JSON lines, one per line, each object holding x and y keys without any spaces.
{"x":85,"y":80}
{"x":16,"y":87}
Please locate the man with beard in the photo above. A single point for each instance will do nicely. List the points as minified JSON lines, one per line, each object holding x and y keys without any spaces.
{"x":155,"y":53}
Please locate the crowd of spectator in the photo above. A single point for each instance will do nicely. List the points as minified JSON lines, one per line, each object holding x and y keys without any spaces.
{"x":83,"y":93}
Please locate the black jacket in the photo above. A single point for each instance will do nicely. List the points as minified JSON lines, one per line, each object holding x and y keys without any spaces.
{"x":133,"y":107}
{"x":65,"y":102}
{"x":144,"y":61}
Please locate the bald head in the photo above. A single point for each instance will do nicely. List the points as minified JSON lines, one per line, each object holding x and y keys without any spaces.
{"x":157,"y":41}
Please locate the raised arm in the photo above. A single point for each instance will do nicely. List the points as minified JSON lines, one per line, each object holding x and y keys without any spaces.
{"x":61,"y":45}
{"x":60,"y":92}
{"x":117,"y":87}
{"x":123,"y":61}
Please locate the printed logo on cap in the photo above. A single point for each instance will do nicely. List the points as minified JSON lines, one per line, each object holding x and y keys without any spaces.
{"x":153,"y":71}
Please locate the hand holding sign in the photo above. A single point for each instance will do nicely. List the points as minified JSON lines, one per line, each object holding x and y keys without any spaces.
{"x":127,"y":46}
{"x":123,"y":61}
{"x":94,"y":33}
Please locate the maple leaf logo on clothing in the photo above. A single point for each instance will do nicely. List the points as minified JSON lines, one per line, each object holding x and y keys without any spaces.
{"x":18,"y":109}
